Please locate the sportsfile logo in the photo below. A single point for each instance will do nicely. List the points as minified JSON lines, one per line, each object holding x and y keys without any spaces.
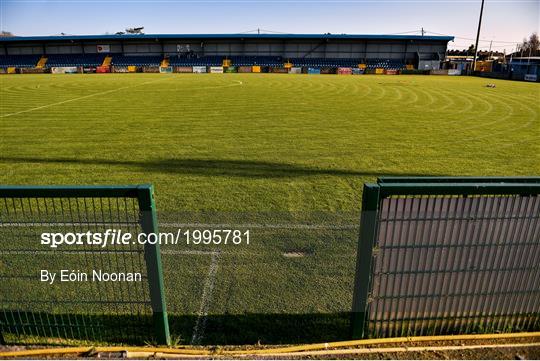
{"x":117,"y":237}
{"x":109,"y":237}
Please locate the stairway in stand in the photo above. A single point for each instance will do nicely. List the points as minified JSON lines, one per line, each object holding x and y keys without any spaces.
{"x":107,"y":61}
{"x":41,"y":63}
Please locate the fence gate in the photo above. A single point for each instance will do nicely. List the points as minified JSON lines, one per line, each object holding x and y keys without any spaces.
{"x":36,"y":311}
{"x":448,"y":255}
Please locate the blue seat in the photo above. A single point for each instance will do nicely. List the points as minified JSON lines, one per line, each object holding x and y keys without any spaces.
{"x":19,"y":61}
{"x":74,"y":59}
{"x":136,"y":60}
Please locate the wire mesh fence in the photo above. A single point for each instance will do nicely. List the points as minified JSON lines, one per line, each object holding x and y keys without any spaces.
{"x":449,"y":258}
{"x":73,"y":307}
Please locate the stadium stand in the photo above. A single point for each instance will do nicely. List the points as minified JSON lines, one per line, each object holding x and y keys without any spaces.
{"x":279,"y":61}
{"x":137,"y":60}
{"x":217,"y":60}
{"x":182,"y":60}
{"x":385,"y":64}
{"x":196,"y":61}
{"x":75,"y":60}
{"x":329,"y":62}
{"x":19,"y":61}
{"x":368,"y":52}
{"x":257,"y":60}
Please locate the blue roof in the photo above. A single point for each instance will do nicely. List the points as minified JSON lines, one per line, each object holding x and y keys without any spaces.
{"x":223,"y":36}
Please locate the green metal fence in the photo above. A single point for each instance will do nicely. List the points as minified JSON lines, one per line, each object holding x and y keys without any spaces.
{"x":36,"y":311}
{"x":435,"y":256}
{"x":448,"y":255}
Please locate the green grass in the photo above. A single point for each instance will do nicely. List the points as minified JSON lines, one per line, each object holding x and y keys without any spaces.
{"x":263,"y":148}
{"x":272,"y":143}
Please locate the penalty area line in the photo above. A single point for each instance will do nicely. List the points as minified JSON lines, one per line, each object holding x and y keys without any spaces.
{"x":202,"y":316}
{"x":192,"y":225}
{"x":79,"y":98}
{"x":101,"y":251}
{"x":260,"y":225}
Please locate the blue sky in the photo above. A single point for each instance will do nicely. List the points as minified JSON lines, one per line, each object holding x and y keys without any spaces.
{"x":505,"y":22}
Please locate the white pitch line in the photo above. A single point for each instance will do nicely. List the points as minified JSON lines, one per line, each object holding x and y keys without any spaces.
{"x":259,"y":225}
{"x":204,"y":253}
{"x":237,"y":83}
{"x":189,"y":225}
{"x":198,"y":330}
{"x":55,"y":250}
{"x":79,"y":98}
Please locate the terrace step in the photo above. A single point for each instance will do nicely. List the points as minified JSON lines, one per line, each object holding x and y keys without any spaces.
{"x":41,"y":63}
{"x":107,"y":61}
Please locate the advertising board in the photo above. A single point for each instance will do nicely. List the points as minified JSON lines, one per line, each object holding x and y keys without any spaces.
{"x":199,"y":69}
{"x":64,"y":70}
{"x":295,"y":70}
{"x":103,"y":69}
{"x":183,"y":69}
{"x":216,"y":69}
{"x":103,"y":48}
{"x":344,"y":71}
{"x":165,"y":69}
{"x":244,"y":69}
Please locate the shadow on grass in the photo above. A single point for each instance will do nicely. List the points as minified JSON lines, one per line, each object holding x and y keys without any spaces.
{"x":27,"y":327}
{"x":213,"y":167}
{"x":39,"y":328}
{"x":76,"y":329}
{"x":274,"y":328}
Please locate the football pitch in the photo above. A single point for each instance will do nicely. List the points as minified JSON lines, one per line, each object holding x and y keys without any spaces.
{"x":284,"y":156}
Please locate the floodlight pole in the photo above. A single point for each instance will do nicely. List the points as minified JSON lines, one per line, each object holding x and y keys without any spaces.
{"x":478,"y":36}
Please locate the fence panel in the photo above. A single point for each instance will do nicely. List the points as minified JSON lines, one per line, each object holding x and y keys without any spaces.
{"x":457,"y":257}
{"x":83,"y":310}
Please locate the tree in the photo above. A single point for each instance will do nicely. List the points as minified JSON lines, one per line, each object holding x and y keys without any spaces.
{"x":470,"y":51}
{"x":531,"y":45}
{"x":6,"y":34}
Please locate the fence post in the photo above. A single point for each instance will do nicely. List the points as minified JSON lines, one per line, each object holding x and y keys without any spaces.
{"x":152,"y":257}
{"x":366,"y":242}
